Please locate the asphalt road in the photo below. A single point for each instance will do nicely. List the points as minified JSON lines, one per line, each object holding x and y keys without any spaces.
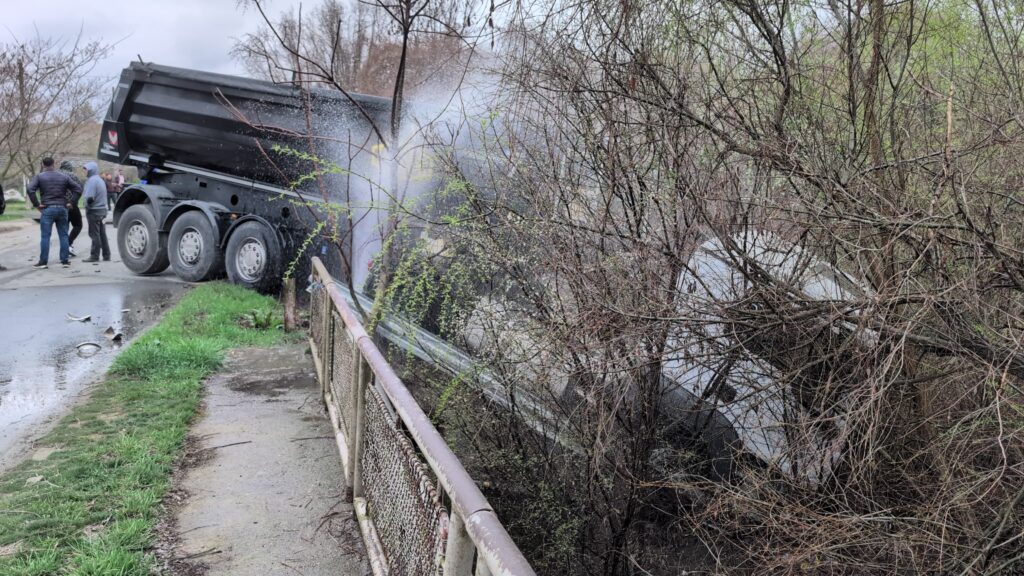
{"x":42,"y":371}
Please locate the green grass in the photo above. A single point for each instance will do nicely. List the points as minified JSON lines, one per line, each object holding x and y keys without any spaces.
{"x":16,"y":211}
{"x":89,"y":508}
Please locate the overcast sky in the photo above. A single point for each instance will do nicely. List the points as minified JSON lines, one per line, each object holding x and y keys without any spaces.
{"x":188,"y":33}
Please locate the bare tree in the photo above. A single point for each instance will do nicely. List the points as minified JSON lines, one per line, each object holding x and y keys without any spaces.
{"x":47,"y":95}
{"x":332,"y":33}
{"x":417,"y":40}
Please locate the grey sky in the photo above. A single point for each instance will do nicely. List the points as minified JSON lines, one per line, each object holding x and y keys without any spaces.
{"x":188,"y":33}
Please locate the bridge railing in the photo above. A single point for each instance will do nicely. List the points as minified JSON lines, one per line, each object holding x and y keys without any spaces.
{"x":419,"y":511}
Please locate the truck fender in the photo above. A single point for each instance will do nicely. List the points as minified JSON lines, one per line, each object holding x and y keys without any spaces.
{"x":209,"y":209}
{"x":254,"y":218}
{"x":155,"y":196}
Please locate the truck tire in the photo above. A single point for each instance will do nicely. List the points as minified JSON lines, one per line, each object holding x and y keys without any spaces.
{"x":253,"y":257}
{"x":192,"y":248}
{"x":138,"y":241}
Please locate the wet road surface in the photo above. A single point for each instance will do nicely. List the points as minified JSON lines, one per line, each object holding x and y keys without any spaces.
{"x":42,"y":372}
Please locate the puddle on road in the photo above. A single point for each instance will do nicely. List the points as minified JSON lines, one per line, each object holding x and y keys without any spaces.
{"x":41,"y":368}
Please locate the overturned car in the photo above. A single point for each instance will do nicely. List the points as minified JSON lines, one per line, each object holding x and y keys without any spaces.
{"x":763,"y":327}
{"x":765,"y":319}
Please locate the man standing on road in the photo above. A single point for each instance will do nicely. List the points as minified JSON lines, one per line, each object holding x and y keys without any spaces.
{"x":118,"y":187}
{"x":108,"y":180}
{"x":95,"y":211}
{"x":3,"y":206}
{"x":74,"y":214}
{"x":54,"y":188}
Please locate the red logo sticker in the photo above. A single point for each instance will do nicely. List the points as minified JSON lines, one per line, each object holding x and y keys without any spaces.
{"x":112,"y":137}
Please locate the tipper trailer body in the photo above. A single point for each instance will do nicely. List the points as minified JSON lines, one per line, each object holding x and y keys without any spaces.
{"x":221,"y":159}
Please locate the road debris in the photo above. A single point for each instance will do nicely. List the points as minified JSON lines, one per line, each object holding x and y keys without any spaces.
{"x":86,"y":349}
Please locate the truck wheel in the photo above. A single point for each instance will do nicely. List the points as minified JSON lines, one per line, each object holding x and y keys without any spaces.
{"x":138,"y":241}
{"x":192,"y":248}
{"x":253,"y":257}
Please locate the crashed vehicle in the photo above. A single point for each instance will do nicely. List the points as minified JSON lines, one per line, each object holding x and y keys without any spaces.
{"x":727,"y":384}
{"x":742,"y":356}
{"x":729,"y":375}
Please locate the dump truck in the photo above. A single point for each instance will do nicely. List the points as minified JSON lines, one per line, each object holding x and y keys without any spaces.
{"x":227,"y":168}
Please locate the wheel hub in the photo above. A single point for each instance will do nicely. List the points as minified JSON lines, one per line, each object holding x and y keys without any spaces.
{"x":190,"y":247}
{"x":251,"y":259}
{"x":137,"y":239}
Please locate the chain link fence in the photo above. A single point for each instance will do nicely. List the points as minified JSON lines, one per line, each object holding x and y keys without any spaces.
{"x":344,"y":372}
{"x":399,"y":467}
{"x":400,"y":497}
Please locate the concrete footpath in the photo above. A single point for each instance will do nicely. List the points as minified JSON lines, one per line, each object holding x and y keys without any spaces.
{"x":261,"y":488}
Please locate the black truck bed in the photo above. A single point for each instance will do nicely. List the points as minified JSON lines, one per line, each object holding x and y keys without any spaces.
{"x":227,"y":124}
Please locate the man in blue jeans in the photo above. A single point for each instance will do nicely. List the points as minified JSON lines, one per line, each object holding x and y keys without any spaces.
{"x":54,"y":188}
{"x":3,"y":205}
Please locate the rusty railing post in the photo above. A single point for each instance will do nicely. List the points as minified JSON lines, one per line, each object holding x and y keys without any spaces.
{"x":356,"y":448}
{"x":328,"y":341}
{"x":458,"y":552}
{"x":289,"y":304}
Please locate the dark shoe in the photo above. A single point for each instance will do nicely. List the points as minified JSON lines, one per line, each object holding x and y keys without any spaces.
{"x":2,"y":268}
{"x":40,"y":266}
{"x":106,"y":258}
{"x":91,"y":260}
{"x":65,"y":264}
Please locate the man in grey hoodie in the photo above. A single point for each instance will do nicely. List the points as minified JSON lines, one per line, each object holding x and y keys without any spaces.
{"x":95,"y":211}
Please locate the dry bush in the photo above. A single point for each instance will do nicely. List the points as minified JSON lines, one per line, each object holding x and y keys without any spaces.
{"x":881,"y":140}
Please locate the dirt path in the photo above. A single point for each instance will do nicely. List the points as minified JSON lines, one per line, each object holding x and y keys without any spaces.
{"x":262,"y":489}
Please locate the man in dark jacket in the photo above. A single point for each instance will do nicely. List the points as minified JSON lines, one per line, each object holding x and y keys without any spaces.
{"x":53,"y":187}
{"x":74,"y":213}
{"x":3,"y":206}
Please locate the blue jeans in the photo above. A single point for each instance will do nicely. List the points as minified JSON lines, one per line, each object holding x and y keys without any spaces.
{"x":48,"y":217}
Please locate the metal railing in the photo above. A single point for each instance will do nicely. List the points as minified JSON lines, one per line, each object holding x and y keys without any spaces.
{"x":419,"y":511}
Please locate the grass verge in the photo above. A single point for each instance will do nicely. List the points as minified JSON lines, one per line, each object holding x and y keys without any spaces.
{"x":16,"y":211}
{"x":89,"y":508}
